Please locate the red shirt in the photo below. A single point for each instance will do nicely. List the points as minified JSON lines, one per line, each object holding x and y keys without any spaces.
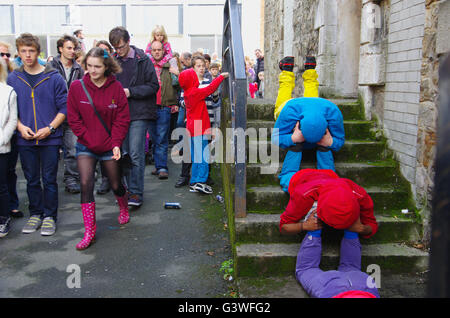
{"x":305,"y":188}
{"x":112,"y":105}
{"x":198,"y":122}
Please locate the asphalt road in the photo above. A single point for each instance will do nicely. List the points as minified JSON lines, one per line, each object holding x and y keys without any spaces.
{"x":160,"y":253}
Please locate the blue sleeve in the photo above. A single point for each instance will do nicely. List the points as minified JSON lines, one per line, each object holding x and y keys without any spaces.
{"x":61,"y":94}
{"x":282,"y":140}
{"x":336,"y":128}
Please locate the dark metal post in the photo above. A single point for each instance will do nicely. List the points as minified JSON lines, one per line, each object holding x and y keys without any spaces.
{"x":236,"y":91}
{"x":439,"y":275}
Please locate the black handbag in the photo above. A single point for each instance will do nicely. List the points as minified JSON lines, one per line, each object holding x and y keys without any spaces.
{"x":125,"y":159}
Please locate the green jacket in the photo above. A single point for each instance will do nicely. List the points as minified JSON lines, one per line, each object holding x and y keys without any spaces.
{"x":169,"y":95}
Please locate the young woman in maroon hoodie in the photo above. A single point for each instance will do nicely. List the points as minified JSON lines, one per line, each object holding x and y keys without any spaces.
{"x":102,"y":96}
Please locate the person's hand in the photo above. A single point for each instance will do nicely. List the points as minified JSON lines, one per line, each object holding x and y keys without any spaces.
{"x":174,"y":70}
{"x":26,"y":132}
{"x":313,"y":223}
{"x":327,"y":139}
{"x":116,"y":153}
{"x":42,"y":133}
{"x":225,"y":75}
{"x":127,"y":92}
{"x":174,"y":109}
{"x":297,"y":136}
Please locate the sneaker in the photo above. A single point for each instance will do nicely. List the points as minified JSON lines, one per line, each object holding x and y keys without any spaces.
{"x":287,"y":64}
{"x":73,"y":188}
{"x":104,"y":187}
{"x":182,"y":181}
{"x":16,"y":214}
{"x":134,"y":200}
{"x":48,"y":226}
{"x":163,"y":175}
{"x":192,"y":188}
{"x":34,"y":222}
{"x":5,"y":225}
{"x":203,"y":187}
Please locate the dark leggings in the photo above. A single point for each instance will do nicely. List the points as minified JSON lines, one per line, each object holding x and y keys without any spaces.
{"x":86,"y":168}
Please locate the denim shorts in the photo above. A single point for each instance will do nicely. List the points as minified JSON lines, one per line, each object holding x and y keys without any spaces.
{"x":84,"y":151}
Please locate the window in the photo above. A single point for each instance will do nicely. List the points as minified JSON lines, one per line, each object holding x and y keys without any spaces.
{"x":99,"y":20}
{"x":43,"y":19}
{"x":6,"y":20}
{"x":146,"y":17}
{"x":203,"y":19}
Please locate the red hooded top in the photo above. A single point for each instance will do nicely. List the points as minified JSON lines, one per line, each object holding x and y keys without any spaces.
{"x":112,"y":105}
{"x":339,"y":201}
{"x":194,"y":98}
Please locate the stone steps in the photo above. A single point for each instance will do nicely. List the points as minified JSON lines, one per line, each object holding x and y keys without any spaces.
{"x":271,"y":199}
{"x":263,"y":253}
{"x":363,"y":173}
{"x":356,"y":129}
{"x":278,"y":259}
{"x":264,"y":110}
{"x":264,"y":228}
{"x":351,"y":151}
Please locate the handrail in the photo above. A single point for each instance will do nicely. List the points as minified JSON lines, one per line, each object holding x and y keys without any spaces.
{"x":235,"y":95}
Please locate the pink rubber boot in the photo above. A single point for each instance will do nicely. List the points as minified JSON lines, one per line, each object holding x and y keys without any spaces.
{"x":124,"y":216}
{"x":90,"y":226}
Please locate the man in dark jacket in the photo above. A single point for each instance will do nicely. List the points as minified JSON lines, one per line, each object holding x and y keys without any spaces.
{"x":259,"y":67}
{"x":140,"y":83}
{"x":71,"y":71}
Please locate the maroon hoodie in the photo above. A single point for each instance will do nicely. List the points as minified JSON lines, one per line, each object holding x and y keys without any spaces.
{"x":112,"y":105}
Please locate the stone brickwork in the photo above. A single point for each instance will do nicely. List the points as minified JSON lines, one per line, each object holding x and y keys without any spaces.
{"x":305,"y":41}
{"x":435,"y":44}
{"x":402,"y":90}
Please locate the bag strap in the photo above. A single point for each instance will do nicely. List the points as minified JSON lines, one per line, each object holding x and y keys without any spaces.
{"x":95,"y":110}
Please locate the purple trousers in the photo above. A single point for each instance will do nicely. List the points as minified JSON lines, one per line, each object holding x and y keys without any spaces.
{"x":326,"y":284}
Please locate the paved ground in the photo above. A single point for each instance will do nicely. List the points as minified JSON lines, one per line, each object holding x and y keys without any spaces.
{"x":160,"y":253}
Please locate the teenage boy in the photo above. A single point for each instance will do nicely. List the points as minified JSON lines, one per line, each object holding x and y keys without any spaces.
{"x":140,"y":83}
{"x":198,"y":124}
{"x":70,"y":70}
{"x":41,"y":102}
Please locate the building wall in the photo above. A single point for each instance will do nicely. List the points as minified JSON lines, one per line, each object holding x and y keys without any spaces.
{"x":402,"y":89}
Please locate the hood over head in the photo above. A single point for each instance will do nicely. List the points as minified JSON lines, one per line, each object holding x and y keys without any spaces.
{"x":337,"y":206}
{"x":313,"y":126}
{"x":188,"y":79}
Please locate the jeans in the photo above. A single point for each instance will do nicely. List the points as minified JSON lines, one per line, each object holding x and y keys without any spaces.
{"x":159,"y":131}
{"x":200,"y":159}
{"x":134,"y":145}
{"x":71,"y":174}
{"x":181,"y":117}
{"x":13,"y":156}
{"x":4,"y":195}
{"x":36,"y":160}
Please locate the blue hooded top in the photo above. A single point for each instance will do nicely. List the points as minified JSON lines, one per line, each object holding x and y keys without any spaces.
{"x":39,"y":103}
{"x":315,"y":115}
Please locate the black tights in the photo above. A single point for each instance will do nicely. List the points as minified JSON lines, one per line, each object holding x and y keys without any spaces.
{"x":86,"y":168}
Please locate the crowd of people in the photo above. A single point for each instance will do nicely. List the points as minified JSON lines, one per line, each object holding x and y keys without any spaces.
{"x":109,"y":111}
{"x":255,"y":74}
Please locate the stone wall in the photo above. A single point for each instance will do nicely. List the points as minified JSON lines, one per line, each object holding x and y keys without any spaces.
{"x":273,"y":46}
{"x":305,"y":42}
{"x":436,"y":32}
